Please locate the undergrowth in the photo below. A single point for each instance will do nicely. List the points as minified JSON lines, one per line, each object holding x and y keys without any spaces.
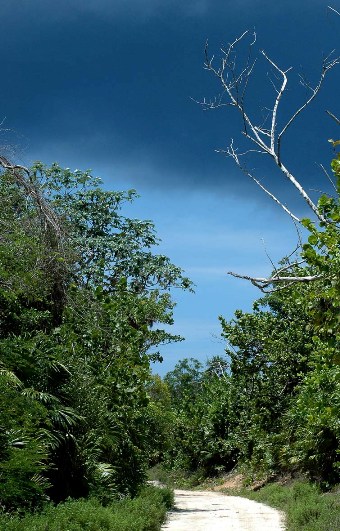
{"x":305,"y":506}
{"x":146,"y":512}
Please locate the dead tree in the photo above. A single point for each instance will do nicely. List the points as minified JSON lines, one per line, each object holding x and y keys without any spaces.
{"x":264,"y":138}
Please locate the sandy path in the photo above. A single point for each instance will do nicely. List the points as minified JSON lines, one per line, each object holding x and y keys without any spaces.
{"x":211,"y":511}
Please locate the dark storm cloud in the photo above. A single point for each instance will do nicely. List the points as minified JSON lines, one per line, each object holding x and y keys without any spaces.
{"x":107,"y":84}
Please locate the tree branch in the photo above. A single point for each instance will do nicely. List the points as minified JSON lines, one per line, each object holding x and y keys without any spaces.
{"x":333,"y":116}
{"x":47,"y":214}
{"x":233,"y":153}
{"x":267,"y":140}
{"x":263,"y":283}
{"x":326,"y":67}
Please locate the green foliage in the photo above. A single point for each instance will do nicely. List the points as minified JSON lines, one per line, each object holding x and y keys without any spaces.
{"x":270,"y":354}
{"x":24,"y":448}
{"x":158,"y":419}
{"x":285,"y":388}
{"x":144,"y":513}
{"x":110,"y":247}
{"x":184,"y":382}
{"x":312,"y":421}
{"x":312,"y":425}
{"x":322,"y":254}
{"x":306,"y":508}
{"x":177,"y":477}
{"x":202,"y":418}
{"x":83,"y":298}
{"x":272,"y":405}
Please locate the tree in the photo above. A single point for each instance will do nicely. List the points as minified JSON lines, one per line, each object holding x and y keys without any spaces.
{"x":201,"y":399}
{"x":83,"y":299}
{"x":270,"y":407}
{"x":284,"y":386}
{"x":265,"y":138}
{"x":269,"y":351}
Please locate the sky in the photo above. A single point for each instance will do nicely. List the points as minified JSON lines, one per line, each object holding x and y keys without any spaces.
{"x":111,"y":85}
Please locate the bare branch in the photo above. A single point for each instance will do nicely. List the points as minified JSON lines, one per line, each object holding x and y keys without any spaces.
{"x":277,"y":100}
{"x":266,"y":138}
{"x":290,"y":265}
{"x":265,"y":132}
{"x":233,"y":153}
{"x":214,"y":103}
{"x":230,"y":86}
{"x":326,"y":67}
{"x":299,"y":245}
{"x":263,"y":283}
{"x":301,"y":190}
{"x":328,"y":176}
{"x":332,"y":9}
{"x":279,"y":279}
{"x":48,"y":216}
{"x":268,"y":141}
{"x":267,"y":254}
{"x":334,"y":117}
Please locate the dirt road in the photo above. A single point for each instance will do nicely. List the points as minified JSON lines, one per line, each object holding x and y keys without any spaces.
{"x":211,"y":511}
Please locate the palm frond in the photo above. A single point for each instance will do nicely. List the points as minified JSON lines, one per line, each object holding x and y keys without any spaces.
{"x":65,"y":417}
{"x":11,"y":378}
{"x":105,"y":471}
{"x":44,"y":398}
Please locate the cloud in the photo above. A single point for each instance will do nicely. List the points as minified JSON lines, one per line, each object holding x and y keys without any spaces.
{"x":143,"y":9}
{"x":138,"y":12}
{"x":107,"y":85}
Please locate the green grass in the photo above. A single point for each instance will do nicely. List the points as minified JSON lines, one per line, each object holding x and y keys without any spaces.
{"x":146,"y":512}
{"x":305,"y":506}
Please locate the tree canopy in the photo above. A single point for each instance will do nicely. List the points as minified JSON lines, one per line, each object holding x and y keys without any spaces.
{"x":83,"y":299}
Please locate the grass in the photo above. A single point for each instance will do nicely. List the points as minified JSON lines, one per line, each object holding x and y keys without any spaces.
{"x":146,"y":512}
{"x":305,"y":506}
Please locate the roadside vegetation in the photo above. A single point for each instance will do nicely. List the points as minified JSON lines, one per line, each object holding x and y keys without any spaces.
{"x":271,"y":407}
{"x":83,"y":298}
{"x":82,"y":418}
{"x":146,"y":512}
{"x":305,"y":506}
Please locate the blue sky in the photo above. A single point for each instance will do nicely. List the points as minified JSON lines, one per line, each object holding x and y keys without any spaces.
{"x":107,"y":85}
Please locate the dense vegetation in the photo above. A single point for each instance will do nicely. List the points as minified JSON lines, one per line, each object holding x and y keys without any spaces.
{"x":81,"y":294}
{"x":272,"y":405}
{"x":305,"y":507}
{"x":146,"y":512}
{"x":81,"y":416}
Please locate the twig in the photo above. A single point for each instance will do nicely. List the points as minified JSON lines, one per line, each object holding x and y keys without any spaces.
{"x":334,"y":117}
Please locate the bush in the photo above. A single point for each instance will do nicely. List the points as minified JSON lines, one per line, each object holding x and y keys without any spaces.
{"x":306,"y":507}
{"x":146,"y":512}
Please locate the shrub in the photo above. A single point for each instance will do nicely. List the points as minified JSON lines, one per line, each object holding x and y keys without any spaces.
{"x":306,"y":507}
{"x":146,"y":512}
